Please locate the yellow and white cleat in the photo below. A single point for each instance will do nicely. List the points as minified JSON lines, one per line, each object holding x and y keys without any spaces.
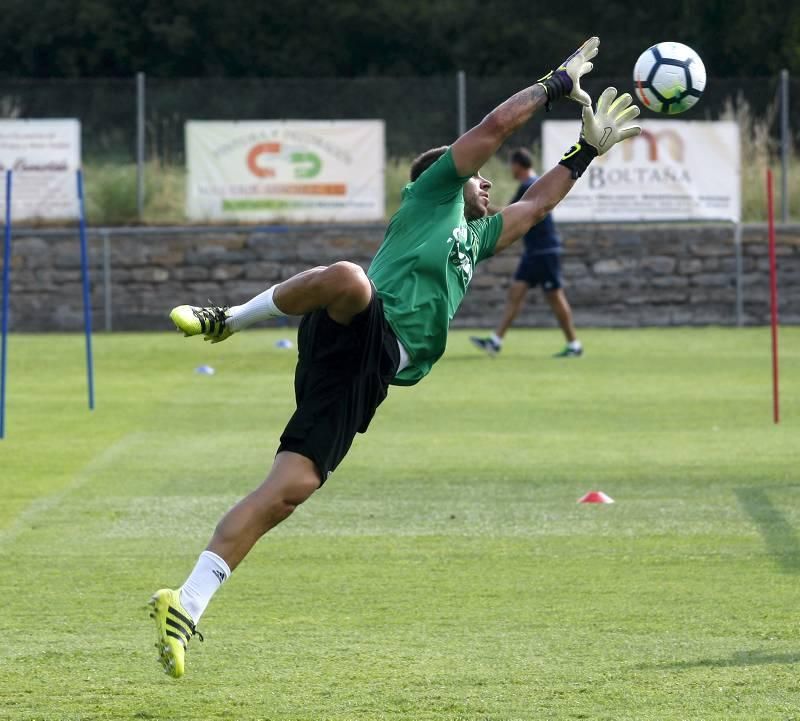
{"x":174,"y":629}
{"x":208,"y":322}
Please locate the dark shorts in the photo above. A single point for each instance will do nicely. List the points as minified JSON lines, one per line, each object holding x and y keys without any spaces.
{"x":544,"y":270}
{"x":342,"y":376}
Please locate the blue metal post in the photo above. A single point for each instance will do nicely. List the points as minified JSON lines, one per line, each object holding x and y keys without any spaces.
{"x":87,"y":307}
{"x":6,"y":282}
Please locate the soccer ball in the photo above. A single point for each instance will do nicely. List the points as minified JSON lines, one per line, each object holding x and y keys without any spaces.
{"x":669,"y":78}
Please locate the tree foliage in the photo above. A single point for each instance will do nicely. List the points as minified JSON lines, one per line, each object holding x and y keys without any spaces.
{"x":289,"y":38}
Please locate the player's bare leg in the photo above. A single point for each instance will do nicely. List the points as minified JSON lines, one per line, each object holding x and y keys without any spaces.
{"x":559,"y":304}
{"x":291,"y":481}
{"x":516,"y":299}
{"x":514,"y":302}
{"x":342,"y":288}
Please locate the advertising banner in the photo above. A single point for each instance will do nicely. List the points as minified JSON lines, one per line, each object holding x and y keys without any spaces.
{"x":292,"y":170}
{"x":44,"y":156}
{"x":674,"y":170}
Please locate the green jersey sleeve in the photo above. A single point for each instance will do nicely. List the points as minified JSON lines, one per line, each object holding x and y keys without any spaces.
{"x":440,"y":183}
{"x":486,"y":231}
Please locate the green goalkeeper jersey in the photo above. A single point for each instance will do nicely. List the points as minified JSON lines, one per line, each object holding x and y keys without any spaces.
{"x":426,"y":261}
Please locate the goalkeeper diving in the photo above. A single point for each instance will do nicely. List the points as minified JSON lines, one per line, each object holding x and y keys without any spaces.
{"x":363,"y":332}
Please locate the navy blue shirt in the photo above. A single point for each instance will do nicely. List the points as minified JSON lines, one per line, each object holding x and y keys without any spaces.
{"x":541,"y":238}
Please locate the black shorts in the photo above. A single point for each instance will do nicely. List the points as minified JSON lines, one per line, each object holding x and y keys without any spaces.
{"x":342,"y":376}
{"x":544,"y":270}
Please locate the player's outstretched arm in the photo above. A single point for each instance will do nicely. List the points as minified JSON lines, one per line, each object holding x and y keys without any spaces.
{"x":602,"y":129}
{"x":476,"y":146}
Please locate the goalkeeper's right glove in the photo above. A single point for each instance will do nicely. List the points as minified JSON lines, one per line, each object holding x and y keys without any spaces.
{"x":566,"y":78}
{"x":601,"y":130}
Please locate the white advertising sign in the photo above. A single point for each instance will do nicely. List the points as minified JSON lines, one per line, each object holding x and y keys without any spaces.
{"x":298,"y":170}
{"x":43,"y":156}
{"x":674,"y":170}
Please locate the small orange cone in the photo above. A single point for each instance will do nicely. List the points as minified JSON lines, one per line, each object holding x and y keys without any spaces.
{"x":596,"y":497}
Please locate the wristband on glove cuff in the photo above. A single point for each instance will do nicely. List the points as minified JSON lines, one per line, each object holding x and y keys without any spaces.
{"x":556,"y":84}
{"x":578,"y":157}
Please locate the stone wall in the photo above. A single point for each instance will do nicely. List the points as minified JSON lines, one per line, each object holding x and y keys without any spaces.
{"x":629,"y":275}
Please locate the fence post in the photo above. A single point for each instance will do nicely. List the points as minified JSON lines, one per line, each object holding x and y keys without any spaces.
{"x":461,"y":83}
{"x":107,"y":279}
{"x":737,"y":243}
{"x":140,"y":145}
{"x":785,"y":141}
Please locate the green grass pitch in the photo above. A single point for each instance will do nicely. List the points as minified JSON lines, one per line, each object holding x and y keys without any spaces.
{"x":445,"y":571}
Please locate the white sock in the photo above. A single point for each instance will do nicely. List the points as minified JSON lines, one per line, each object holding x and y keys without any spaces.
{"x":496,"y":339}
{"x":575,"y":344}
{"x":203,"y":582}
{"x":262,"y":307}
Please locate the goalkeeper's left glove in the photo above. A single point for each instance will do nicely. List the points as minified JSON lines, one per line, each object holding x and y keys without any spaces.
{"x":601,"y":130}
{"x":566,"y":78}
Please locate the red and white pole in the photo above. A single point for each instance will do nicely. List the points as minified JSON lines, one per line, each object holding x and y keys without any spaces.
{"x":773,"y":298}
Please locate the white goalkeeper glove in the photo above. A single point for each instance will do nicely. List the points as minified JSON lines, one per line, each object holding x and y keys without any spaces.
{"x":566,"y":78}
{"x":603,"y":128}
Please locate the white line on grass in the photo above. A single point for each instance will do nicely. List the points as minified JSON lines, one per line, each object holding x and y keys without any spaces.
{"x":44,"y":505}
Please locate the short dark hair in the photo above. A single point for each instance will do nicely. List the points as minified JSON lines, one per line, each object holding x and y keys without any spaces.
{"x":521,"y":156}
{"x":423,"y":162}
